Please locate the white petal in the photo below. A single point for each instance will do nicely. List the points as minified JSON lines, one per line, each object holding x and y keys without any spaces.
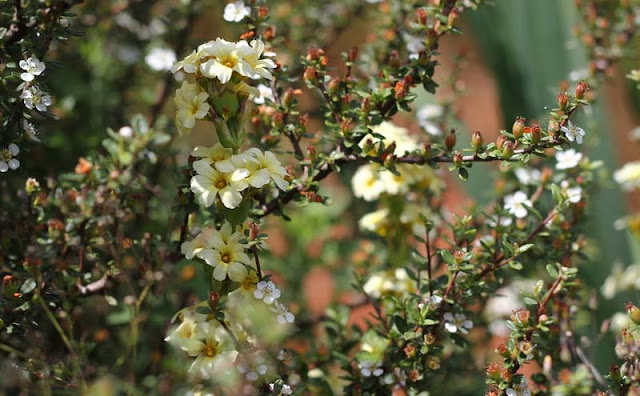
{"x":14,"y":164}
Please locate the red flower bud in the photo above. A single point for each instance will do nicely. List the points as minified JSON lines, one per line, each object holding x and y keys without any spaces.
{"x":450,"y":140}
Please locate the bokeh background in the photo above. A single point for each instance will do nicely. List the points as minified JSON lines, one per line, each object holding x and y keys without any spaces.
{"x":517,"y":55}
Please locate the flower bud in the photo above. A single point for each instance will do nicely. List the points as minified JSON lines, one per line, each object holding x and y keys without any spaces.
{"x":432,"y":37}
{"x":400,"y":91}
{"x":389,"y":160}
{"x":457,"y":159}
{"x":278,"y":120}
{"x":313,"y":54}
{"x":454,"y":15}
{"x":365,"y":106}
{"x":614,"y":372}
{"x":563,"y":100}
{"x":450,"y":140}
{"x":263,"y":12}
{"x":311,"y":151}
{"x":581,"y":88}
{"x":536,"y":133}
{"x":254,"y":230}
{"x":507,"y":150}
{"x":633,"y":312}
{"x":421,"y":16}
{"x":476,"y":140}
{"x":394,"y":59}
{"x":500,"y":141}
{"x":310,"y":75}
{"x":352,"y":54}
{"x":426,"y":151}
{"x":518,"y":127}
{"x":334,"y":86}
{"x":287,"y":97}
{"x":269,"y":33}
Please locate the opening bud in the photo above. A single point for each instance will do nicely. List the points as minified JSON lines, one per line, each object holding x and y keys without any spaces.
{"x":477,"y":141}
{"x":581,"y":88}
{"x":507,"y":150}
{"x":563,"y":100}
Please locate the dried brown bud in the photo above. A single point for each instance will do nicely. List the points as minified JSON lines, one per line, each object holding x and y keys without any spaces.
{"x":450,"y":140}
{"x":394,"y":59}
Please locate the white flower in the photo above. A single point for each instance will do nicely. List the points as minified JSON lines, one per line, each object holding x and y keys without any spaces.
{"x":573,"y":133}
{"x":414,"y":44}
{"x":430,"y":302}
{"x":212,"y":349}
{"x":393,"y":133}
{"x":520,"y":389}
{"x":628,"y":176}
{"x":426,"y":117}
{"x":34,"y":97}
{"x":528,"y":175}
{"x":265,"y":93}
{"x":189,"y":64}
{"x":194,"y":247}
{"x":236,"y":11}
{"x":226,"y":57}
{"x":209,"y":183}
{"x":282,"y":313}
{"x":260,"y":66}
{"x":30,"y":130}
{"x":6,"y":158}
{"x":191,"y":105}
{"x":375,"y":221}
{"x":568,"y":159}
{"x":574,"y":194}
{"x":366,"y":183}
{"x":126,"y":132}
{"x":456,"y":323}
{"x":515,"y":204}
{"x":217,"y":155}
{"x":286,"y":389}
{"x":369,"y":368}
{"x":262,"y":168}
{"x":227,"y":255}
{"x":160,"y":59}
{"x":32,"y":67}
{"x":267,"y":291}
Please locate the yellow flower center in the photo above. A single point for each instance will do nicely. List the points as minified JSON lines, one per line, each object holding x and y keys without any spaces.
{"x":211,"y":350}
{"x":225,"y":258}
{"x":220,"y":184}
{"x":5,"y":155}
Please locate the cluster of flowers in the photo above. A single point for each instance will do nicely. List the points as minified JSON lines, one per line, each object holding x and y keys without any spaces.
{"x":219,"y":173}
{"x":33,"y":97}
{"x":219,"y":60}
{"x":204,"y":339}
{"x":518,"y":202}
{"x":371,"y":181}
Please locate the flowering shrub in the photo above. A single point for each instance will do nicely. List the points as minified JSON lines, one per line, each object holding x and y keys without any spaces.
{"x":95,"y":276}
